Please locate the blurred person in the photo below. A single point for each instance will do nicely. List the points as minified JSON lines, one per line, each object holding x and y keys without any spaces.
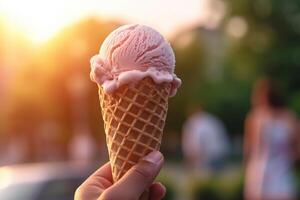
{"x":82,"y":147}
{"x":99,"y":186}
{"x":48,"y":146}
{"x":14,"y":150}
{"x":270,"y":129}
{"x":204,"y":141}
{"x":2,"y":150}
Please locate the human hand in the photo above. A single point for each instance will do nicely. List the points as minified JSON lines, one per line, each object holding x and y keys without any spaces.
{"x":99,"y":186}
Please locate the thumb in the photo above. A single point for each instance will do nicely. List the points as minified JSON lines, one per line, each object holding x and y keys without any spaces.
{"x":137,"y":179}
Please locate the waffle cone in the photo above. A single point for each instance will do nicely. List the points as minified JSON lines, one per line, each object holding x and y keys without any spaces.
{"x":134,"y":117}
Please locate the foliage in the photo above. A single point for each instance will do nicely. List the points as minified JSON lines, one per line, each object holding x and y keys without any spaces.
{"x":218,"y":187}
{"x":271,"y":44}
{"x":269,"y":47}
{"x":52,"y":84}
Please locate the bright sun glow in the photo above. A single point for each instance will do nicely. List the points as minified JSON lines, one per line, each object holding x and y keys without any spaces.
{"x":39,"y":20}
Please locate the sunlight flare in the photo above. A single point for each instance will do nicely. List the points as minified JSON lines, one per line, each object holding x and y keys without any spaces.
{"x":38,"y":20}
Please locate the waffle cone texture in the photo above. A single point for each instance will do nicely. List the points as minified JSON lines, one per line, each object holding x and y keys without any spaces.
{"x":134,"y":117}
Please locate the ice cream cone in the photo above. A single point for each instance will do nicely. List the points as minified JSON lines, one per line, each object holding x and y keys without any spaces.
{"x":134,"y":70}
{"x":134,"y":117}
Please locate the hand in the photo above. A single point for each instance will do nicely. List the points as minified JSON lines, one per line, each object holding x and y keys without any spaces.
{"x":99,"y":186}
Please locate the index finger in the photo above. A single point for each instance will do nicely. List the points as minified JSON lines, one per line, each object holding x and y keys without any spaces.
{"x":95,"y":184}
{"x":103,"y":172}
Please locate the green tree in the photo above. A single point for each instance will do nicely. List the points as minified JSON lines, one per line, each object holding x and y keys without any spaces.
{"x":271,"y":44}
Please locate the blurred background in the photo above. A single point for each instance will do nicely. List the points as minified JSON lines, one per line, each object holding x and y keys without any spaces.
{"x":51,"y":131}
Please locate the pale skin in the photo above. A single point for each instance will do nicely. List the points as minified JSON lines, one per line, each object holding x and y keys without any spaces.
{"x":132,"y":186}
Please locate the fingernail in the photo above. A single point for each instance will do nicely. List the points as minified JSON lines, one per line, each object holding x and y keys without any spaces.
{"x":164,"y":187}
{"x":153,"y":157}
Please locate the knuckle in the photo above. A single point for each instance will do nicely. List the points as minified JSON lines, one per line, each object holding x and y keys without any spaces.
{"x":109,"y":195}
{"x":143,"y":172}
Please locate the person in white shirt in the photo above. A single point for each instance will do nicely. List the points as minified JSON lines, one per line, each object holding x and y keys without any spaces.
{"x":204,"y":141}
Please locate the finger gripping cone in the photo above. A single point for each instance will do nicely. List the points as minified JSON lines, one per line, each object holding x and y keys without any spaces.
{"x":134,"y":117}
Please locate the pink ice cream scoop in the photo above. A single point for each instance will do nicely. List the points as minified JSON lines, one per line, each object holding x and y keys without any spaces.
{"x":131,"y":53}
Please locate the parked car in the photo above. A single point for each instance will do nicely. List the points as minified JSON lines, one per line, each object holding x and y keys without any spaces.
{"x":47,"y":181}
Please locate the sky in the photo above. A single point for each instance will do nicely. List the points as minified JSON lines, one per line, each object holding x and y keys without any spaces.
{"x":41,"y":19}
